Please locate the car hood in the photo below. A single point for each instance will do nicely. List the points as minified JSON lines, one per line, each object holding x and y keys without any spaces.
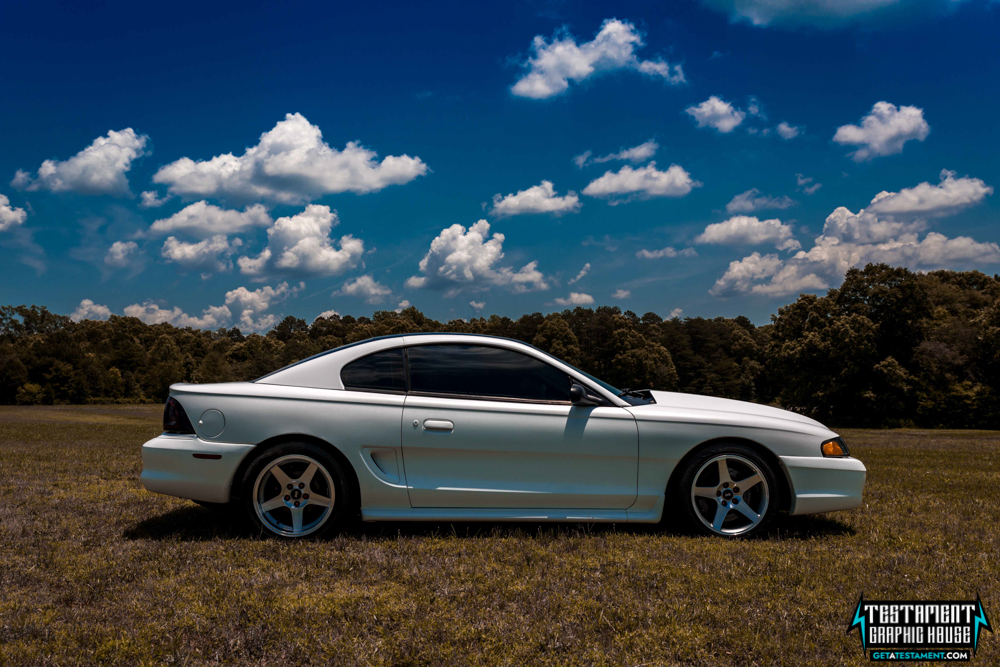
{"x":672,"y":406}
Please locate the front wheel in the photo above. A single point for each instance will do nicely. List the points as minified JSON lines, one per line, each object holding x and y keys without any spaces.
{"x":728,"y":490}
{"x":295,"y":490}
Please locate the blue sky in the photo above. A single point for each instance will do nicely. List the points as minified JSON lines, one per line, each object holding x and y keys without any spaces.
{"x":699,"y":157}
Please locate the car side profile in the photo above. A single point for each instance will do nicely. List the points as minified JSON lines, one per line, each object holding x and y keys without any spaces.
{"x":458,"y":427}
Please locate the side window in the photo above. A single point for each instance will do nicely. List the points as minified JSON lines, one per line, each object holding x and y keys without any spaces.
{"x":382,"y":371}
{"x":475,"y":370}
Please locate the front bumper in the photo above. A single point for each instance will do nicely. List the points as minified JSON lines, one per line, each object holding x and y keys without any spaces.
{"x":169,"y":466}
{"x":821,"y":484}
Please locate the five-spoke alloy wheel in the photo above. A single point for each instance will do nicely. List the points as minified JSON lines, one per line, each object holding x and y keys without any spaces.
{"x":727,"y":490}
{"x":295,"y":490}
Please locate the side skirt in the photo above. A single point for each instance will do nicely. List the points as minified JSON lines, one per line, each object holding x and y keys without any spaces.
{"x":526,"y":515}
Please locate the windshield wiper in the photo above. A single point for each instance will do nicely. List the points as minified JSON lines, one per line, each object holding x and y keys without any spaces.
{"x":638,"y":393}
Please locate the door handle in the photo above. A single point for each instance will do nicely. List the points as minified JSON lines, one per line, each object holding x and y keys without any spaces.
{"x":438,"y":425}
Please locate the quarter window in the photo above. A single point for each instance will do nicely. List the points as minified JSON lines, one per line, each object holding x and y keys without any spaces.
{"x":476,"y":370}
{"x":382,"y":371}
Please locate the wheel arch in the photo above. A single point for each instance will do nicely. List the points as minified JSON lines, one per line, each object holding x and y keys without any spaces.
{"x":332,"y":450}
{"x":770,"y":457}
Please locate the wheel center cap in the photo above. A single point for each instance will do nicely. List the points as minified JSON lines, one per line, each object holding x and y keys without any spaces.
{"x":727,"y":494}
{"x":296,"y":494}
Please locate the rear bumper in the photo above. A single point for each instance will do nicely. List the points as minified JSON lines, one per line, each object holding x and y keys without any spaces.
{"x":169,"y":466}
{"x":822,"y":484}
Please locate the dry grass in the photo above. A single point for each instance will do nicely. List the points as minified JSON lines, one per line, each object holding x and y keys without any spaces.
{"x":97,"y":571}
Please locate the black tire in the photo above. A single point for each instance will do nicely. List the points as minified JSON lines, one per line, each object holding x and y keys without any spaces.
{"x":717,"y":497}
{"x":260,"y":485}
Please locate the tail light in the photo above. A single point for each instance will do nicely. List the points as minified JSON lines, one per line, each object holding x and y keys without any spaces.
{"x":175,"y":420}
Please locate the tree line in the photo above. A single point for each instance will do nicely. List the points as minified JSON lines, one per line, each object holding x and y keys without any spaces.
{"x":890,"y":347}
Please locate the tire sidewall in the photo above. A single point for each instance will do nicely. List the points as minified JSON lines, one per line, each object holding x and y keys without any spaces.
{"x":342,"y":498}
{"x":682,"y":496}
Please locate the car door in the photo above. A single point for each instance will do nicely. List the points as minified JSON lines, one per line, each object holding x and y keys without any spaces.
{"x":489,"y":427}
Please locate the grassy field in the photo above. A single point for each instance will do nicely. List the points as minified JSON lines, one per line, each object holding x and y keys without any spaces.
{"x":94,"y":570}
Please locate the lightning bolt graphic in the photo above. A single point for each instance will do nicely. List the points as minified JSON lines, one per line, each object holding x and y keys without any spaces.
{"x":981,"y":621}
{"x":860,"y":621}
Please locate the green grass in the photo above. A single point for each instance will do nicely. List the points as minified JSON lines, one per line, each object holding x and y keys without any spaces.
{"x":94,"y":570}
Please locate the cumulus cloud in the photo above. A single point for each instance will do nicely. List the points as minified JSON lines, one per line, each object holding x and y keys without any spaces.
{"x":468,"y":259}
{"x":208,"y":256}
{"x":666,"y":252}
{"x":253,"y":305}
{"x":477,"y":305}
{"x":621,"y":294}
{"x":10,"y":216}
{"x":949,"y":196}
{"x":99,"y":169}
{"x":403,"y":305}
{"x":88,"y":310}
{"x":748,"y":230}
{"x":675,"y":313}
{"x":150,"y":313}
{"x":152,"y":199}
{"x":326,"y":314}
{"x":636,"y":155}
{"x":301,"y":244}
{"x":584,"y":271}
{"x":718,"y":114}
{"x":536,"y":199}
{"x":365,"y":287}
{"x":553,"y":65}
{"x":203,"y":220}
{"x":807,"y":184}
{"x":786,"y":131}
{"x":291,"y":164}
{"x":122,"y":254}
{"x":642,"y":183}
{"x":817,"y":13}
{"x":883,"y":131}
{"x":752,"y":200}
{"x":852,"y":239}
{"x":575,"y":299}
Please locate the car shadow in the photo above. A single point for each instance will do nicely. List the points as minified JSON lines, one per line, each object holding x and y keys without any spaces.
{"x":195,"y":524}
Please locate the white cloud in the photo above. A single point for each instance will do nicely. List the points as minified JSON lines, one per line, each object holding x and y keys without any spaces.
{"x":786,"y":131}
{"x":88,"y":310}
{"x":642,"y":183}
{"x":636,"y":155}
{"x":150,"y":313}
{"x":536,"y":199}
{"x":99,"y":169}
{"x":883,"y":131}
{"x":477,"y":305}
{"x":10,"y":217}
{"x":292,"y":165}
{"x":203,"y":220}
{"x":122,"y":254}
{"x":301,"y":244}
{"x":621,"y":294}
{"x":717,"y":113}
{"x":666,"y":252}
{"x":748,"y":230}
{"x":403,"y":305}
{"x":752,"y":200}
{"x":554,"y":64}
{"x":584,"y":271}
{"x":575,"y":299}
{"x":949,"y":196}
{"x":326,"y":313}
{"x":364,"y":287}
{"x":818,"y":13}
{"x":152,"y":199}
{"x":468,"y":259}
{"x":253,"y":305}
{"x":806,"y":184}
{"x":208,"y":256}
{"x":676,"y":312}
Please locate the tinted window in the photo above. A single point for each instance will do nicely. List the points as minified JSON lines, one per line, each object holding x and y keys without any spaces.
{"x":474,"y":370}
{"x":382,"y":371}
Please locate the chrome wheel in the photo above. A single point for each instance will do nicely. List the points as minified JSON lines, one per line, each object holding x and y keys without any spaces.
{"x":294,"y":495}
{"x":730,"y":495}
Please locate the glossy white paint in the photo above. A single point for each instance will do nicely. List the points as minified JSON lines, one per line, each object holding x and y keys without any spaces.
{"x":499,"y":460}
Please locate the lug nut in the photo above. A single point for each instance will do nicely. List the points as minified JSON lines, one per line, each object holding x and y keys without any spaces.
{"x":302,"y":485}
{"x":724,"y":503}
{"x":718,"y":493}
{"x":736,"y":501}
{"x":296,"y":503}
{"x":287,"y":498}
{"x":725,"y":485}
{"x":289,"y":487}
{"x":736,"y":489}
{"x":306,"y":496}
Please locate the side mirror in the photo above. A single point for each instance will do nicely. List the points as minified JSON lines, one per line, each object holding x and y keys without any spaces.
{"x":578,"y":395}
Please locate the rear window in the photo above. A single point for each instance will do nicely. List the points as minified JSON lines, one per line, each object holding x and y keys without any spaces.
{"x":382,"y":371}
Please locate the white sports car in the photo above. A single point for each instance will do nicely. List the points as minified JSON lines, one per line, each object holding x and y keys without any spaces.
{"x":454,"y":427}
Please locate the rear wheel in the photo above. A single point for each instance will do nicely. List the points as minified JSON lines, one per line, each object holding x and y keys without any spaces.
{"x":728,"y":490}
{"x":295,"y":490}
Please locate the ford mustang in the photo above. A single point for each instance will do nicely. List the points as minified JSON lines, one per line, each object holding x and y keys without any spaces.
{"x":456,"y":427}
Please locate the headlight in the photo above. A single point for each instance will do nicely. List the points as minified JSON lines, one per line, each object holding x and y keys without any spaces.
{"x":834,"y":447}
